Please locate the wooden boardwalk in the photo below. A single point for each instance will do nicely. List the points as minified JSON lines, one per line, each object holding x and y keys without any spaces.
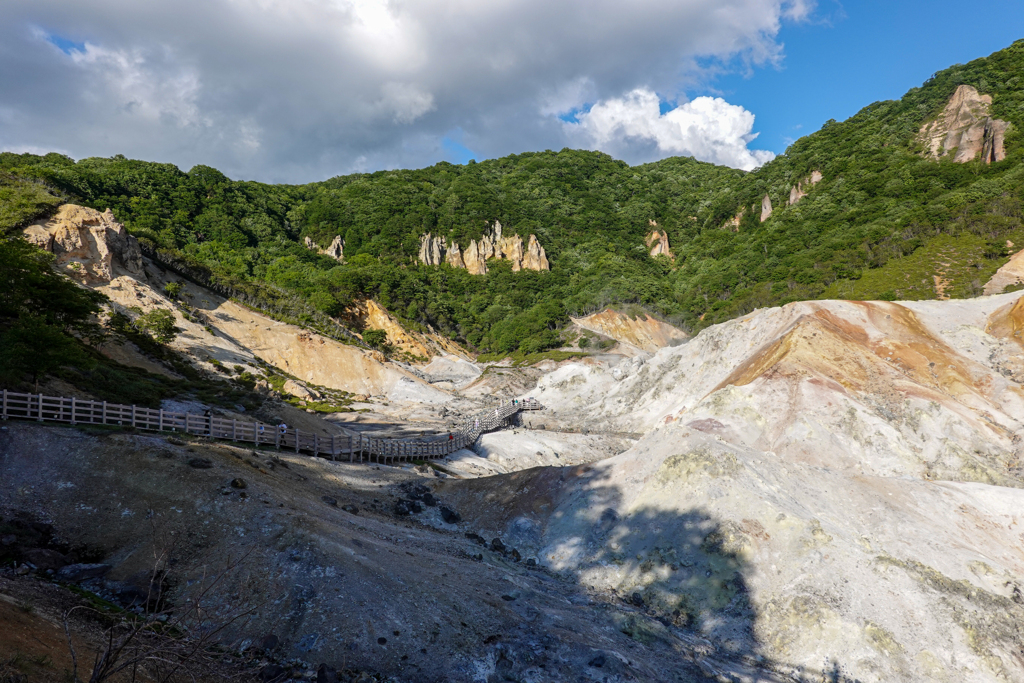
{"x":351,"y":448}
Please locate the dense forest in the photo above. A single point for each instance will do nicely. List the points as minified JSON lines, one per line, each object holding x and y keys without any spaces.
{"x":883,"y":221}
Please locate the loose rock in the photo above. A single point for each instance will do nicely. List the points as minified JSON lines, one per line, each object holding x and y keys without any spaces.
{"x":82,"y":572}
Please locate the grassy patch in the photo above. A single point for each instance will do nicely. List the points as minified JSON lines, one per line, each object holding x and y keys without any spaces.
{"x":23,"y":201}
{"x":962,"y":263}
{"x":520,"y":359}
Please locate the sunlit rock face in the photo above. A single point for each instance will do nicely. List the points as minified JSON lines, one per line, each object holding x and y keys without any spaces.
{"x":88,"y":245}
{"x":642,"y":331}
{"x":336,"y":250}
{"x":657,"y":242}
{"x":1011,"y":274}
{"x":435,"y":250}
{"x":799,"y":191}
{"x":966,"y":129}
{"x":829,"y":485}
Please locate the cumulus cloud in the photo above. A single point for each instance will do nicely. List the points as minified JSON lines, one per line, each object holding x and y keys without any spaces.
{"x":708,"y":128}
{"x":298,"y":90}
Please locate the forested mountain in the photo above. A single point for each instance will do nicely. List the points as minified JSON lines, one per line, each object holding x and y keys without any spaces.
{"x":883,"y":222}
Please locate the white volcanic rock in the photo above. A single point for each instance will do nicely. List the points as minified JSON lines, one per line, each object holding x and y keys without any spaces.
{"x":831,"y":485}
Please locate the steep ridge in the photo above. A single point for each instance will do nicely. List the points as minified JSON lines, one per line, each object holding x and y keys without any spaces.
{"x":835,"y":485}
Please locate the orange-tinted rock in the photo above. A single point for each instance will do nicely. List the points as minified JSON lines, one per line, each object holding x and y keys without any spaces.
{"x":87,"y":244}
{"x":493,"y":244}
{"x":657,"y":242}
{"x":642,"y":331}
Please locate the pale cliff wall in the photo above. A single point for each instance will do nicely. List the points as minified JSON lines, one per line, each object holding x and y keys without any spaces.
{"x":435,"y":250}
{"x":966,"y":129}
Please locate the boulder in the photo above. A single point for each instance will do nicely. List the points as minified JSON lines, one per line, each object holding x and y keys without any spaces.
{"x":336,"y":250}
{"x":299,"y":390}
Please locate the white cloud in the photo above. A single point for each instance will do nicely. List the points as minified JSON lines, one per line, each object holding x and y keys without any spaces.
{"x":708,"y":128}
{"x":298,"y":90}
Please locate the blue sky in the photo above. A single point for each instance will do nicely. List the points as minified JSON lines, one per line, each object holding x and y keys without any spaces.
{"x":854,"y":53}
{"x":295,"y":92}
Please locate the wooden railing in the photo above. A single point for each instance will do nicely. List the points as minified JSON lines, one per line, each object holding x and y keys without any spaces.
{"x":352,"y":447}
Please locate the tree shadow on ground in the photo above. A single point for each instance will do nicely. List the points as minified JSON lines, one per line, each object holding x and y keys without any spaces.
{"x":671,"y":573}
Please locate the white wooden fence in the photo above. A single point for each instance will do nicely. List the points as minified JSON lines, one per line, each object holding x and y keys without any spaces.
{"x":354,"y":448}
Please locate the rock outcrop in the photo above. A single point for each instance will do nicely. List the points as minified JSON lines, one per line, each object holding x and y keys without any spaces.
{"x":734,"y":222}
{"x":336,"y":250}
{"x":799,"y":191}
{"x":535,"y":258}
{"x":657,"y":242}
{"x":88,"y":245}
{"x":642,"y":331}
{"x":966,"y":129}
{"x":435,"y":250}
{"x":766,"y":208}
{"x":1011,"y":274}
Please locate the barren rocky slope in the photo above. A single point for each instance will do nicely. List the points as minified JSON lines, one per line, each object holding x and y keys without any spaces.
{"x":643,"y":332}
{"x":833,"y":485}
{"x":412,"y":598}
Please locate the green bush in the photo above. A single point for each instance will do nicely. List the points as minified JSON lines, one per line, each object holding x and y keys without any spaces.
{"x":159,"y":323}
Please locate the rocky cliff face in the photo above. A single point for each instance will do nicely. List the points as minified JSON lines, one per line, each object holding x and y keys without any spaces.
{"x":435,"y":250}
{"x":966,"y":129}
{"x":336,"y":250}
{"x":89,"y":246}
{"x":657,"y":242}
{"x":799,"y":191}
{"x":766,"y":208}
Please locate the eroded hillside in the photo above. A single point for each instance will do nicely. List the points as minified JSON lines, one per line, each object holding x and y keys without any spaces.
{"x":835,"y":482}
